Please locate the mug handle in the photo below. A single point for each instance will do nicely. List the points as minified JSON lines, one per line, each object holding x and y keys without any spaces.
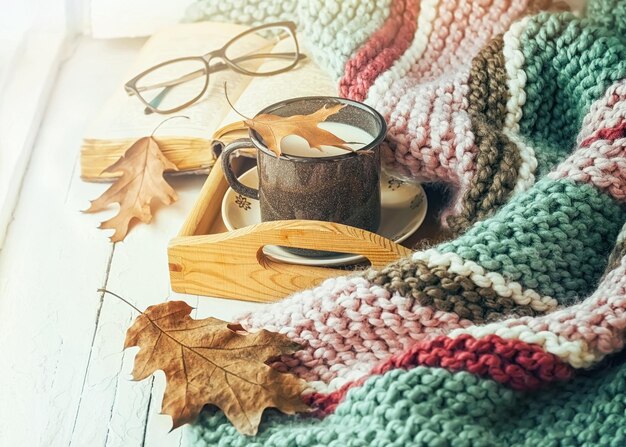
{"x":231,"y":178}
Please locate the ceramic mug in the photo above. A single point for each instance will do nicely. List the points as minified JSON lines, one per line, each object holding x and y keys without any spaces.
{"x":342,"y":188}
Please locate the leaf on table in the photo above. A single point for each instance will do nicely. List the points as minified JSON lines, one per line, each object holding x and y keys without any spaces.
{"x":211,"y":362}
{"x":142,"y":167}
{"x":273,"y":129}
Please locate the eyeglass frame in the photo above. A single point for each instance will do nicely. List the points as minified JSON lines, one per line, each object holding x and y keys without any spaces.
{"x":132,"y":89}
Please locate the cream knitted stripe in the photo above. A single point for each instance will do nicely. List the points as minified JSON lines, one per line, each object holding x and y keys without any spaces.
{"x":516,"y":76}
{"x":606,"y":113}
{"x":621,"y":237}
{"x":528,"y":167}
{"x":427,"y":15}
{"x":483,"y":278}
{"x":333,"y":30}
{"x":580,"y":335}
{"x":603,"y":164}
{"x":516,"y":82}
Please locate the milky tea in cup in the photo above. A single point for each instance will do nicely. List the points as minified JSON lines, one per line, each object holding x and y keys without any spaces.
{"x":331,"y":184}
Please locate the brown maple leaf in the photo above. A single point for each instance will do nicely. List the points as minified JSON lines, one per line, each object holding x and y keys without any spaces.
{"x":211,"y":362}
{"x":273,"y":128}
{"x":142,"y":167}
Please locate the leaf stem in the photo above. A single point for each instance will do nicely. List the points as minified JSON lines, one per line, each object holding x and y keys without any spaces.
{"x":121,"y":299}
{"x":166,"y":120}
{"x":231,"y":104}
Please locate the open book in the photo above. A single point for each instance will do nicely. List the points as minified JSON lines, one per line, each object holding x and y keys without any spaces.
{"x":187,"y":142}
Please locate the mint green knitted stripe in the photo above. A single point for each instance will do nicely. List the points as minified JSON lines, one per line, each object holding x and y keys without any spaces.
{"x":547,"y":157}
{"x":554,"y":238}
{"x":434,"y":407}
{"x":569,"y":63}
{"x":608,"y":13}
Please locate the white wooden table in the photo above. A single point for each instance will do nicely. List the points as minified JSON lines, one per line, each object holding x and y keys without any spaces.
{"x":64,"y":379}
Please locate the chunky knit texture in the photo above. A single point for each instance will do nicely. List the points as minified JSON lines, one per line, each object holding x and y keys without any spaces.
{"x":511,"y":333}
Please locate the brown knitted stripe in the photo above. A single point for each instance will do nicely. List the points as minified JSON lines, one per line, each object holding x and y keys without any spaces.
{"x":498,"y":159}
{"x":438,"y":288}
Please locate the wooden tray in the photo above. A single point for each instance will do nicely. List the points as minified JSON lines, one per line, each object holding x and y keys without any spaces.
{"x":206,"y":259}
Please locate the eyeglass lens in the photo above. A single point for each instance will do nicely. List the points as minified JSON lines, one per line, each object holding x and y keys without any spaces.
{"x":258,"y":52}
{"x":173,"y":84}
{"x":264,"y":51}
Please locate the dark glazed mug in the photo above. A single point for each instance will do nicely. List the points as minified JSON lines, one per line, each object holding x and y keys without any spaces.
{"x":342,"y":188}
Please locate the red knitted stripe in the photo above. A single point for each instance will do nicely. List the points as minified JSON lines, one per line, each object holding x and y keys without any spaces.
{"x":381,"y":50}
{"x":612,"y":133}
{"x":514,"y":363}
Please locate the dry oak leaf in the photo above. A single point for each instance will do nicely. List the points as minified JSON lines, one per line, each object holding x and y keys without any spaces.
{"x":211,"y":362}
{"x":273,"y":128}
{"x":142,"y":167}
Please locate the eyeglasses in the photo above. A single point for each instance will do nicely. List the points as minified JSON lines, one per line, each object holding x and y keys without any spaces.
{"x":175,"y":84}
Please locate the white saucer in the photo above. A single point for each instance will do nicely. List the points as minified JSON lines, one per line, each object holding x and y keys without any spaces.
{"x":403,"y":210}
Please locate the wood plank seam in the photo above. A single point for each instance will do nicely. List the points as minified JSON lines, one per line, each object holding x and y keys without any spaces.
{"x":93,"y":338}
{"x":148,"y":410}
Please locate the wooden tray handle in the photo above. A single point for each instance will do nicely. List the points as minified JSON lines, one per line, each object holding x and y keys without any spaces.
{"x":233,"y":265}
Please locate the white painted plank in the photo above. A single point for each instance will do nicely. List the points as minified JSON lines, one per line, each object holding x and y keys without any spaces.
{"x":114,"y":408}
{"x":124,"y":18}
{"x":52,"y":263}
{"x":25,"y":94}
{"x":139,"y":273}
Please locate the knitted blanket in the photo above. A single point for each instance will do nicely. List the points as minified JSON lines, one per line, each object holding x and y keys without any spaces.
{"x":510,"y":333}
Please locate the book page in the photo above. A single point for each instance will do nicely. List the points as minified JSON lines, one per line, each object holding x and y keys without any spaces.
{"x":305,"y":79}
{"x":123,"y":116}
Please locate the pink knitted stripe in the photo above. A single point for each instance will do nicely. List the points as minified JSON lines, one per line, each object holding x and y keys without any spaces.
{"x":514,"y":363}
{"x":426,"y":110}
{"x":462,"y":29}
{"x":347,"y":326}
{"x":602,"y":164}
{"x":600,"y":159}
{"x":612,"y":133}
{"x":605,"y":116}
{"x":431,"y":132}
{"x":381,"y":50}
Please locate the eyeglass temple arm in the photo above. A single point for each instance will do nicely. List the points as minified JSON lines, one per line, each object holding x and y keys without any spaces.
{"x":196,"y":74}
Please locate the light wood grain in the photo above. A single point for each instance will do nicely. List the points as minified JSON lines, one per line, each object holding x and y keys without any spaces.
{"x":202,"y":215}
{"x":188,"y":154}
{"x":233,"y":265}
{"x":206,"y":260}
